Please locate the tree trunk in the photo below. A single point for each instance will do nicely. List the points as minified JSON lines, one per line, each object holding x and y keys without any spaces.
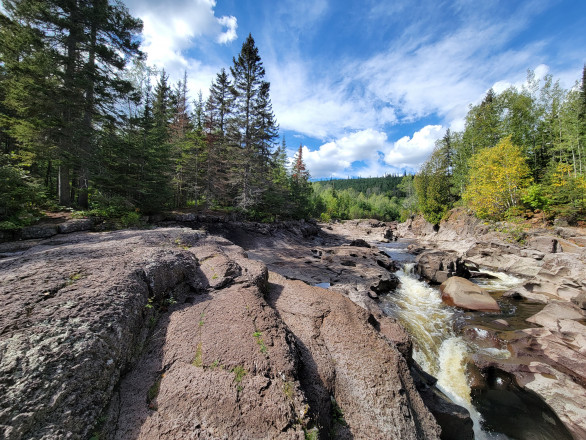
{"x":85,"y":153}
{"x":64,"y":188}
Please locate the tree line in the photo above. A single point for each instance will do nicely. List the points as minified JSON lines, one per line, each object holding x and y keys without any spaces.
{"x":85,"y":123}
{"x":523,"y":148}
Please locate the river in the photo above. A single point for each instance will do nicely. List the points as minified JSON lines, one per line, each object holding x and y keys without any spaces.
{"x":500,"y":411}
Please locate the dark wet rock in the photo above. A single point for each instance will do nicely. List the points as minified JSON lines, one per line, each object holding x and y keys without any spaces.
{"x":437,"y":266}
{"x":75,"y":225}
{"x":359,"y":243}
{"x":385,"y":284}
{"x":454,"y":420}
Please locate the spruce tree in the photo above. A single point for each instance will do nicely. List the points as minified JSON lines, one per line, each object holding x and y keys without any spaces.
{"x":300,"y":186}
{"x":85,"y":45}
{"x":220,"y":153}
{"x":253,"y":126}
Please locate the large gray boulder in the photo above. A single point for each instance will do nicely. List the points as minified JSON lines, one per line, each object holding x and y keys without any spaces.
{"x":460,"y":292}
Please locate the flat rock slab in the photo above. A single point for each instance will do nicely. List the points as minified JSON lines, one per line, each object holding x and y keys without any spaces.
{"x":73,"y":317}
{"x":346,"y":360}
{"x":460,"y":292}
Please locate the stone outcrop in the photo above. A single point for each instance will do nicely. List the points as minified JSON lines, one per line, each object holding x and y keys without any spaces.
{"x":366,"y":377}
{"x":547,"y":359}
{"x":460,"y":292}
{"x":437,"y":266}
{"x":172,"y":333}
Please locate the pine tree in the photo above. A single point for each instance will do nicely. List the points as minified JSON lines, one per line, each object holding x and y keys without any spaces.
{"x":253,"y":128}
{"x":219,"y":160}
{"x":85,"y":47}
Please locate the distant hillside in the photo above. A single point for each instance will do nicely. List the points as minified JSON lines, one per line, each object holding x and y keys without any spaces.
{"x":386,"y":185}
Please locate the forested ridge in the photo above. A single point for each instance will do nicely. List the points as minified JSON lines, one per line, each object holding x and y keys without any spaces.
{"x":85,"y":123}
{"x":523,"y":148}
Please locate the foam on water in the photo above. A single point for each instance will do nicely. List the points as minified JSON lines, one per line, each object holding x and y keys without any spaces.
{"x":437,"y":348}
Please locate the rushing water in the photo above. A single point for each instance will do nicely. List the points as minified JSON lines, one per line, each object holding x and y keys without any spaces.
{"x":436,"y":346}
{"x":441,"y":350}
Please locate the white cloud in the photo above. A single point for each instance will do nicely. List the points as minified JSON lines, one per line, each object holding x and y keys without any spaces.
{"x":230,"y":34}
{"x":423,"y":73}
{"x":336,"y":158}
{"x":410,"y":152}
{"x":318,"y":106}
{"x":170,"y":31}
{"x":369,"y":153}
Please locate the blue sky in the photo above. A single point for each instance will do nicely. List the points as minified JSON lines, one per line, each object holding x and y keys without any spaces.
{"x":368,"y":86}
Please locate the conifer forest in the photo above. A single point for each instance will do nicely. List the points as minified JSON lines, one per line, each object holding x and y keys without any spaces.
{"x":86,"y":124}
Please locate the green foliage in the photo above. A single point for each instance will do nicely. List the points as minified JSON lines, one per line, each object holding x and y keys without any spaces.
{"x":498,"y":177}
{"x":153,"y":392}
{"x":198,"y":359}
{"x":536,"y":198}
{"x":258,"y":336}
{"x":239,"y":373}
{"x":546,"y":125}
{"x":433,"y":186}
{"x":312,"y":434}
{"x":329,"y":203}
{"x":20,"y":198}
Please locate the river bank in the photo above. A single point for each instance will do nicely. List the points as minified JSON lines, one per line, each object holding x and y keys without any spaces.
{"x":312,"y":331}
{"x":175,"y":332}
{"x":547,"y":347}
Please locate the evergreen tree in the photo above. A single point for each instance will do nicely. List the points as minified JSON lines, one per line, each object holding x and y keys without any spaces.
{"x":219,"y":160}
{"x":300,"y":186}
{"x":253,"y":128}
{"x":85,"y":46}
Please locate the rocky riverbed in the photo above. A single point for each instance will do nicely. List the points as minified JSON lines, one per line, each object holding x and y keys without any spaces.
{"x":548,"y":354}
{"x":176,"y":333}
{"x":212,"y":328}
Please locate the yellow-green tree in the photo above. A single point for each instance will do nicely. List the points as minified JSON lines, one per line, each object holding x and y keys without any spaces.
{"x":496,"y":180}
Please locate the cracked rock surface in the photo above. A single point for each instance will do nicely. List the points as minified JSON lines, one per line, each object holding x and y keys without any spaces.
{"x":174,"y":334}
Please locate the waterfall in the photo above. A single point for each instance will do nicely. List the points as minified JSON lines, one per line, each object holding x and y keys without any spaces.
{"x":437,"y":348}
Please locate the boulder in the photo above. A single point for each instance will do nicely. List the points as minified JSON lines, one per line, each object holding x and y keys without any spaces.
{"x":359,"y":242}
{"x":347,"y":368}
{"x":454,"y":420}
{"x":75,"y":225}
{"x":460,"y":292}
{"x":38,"y":231}
{"x":385,"y":284}
{"x":437,"y":266}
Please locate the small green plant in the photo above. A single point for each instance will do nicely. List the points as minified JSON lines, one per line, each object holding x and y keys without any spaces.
{"x":258,"y":336}
{"x":73,"y":278}
{"x":152,"y":321}
{"x":215,"y":364}
{"x":170,"y":301}
{"x":288,"y":389}
{"x":337,"y":413}
{"x":311,"y":434}
{"x":239,"y":373}
{"x":179,"y":243}
{"x":201,"y":322}
{"x":149,"y":304}
{"x":197,"y":360}
{"x":153,"y":392}
{"x":215,"y":276}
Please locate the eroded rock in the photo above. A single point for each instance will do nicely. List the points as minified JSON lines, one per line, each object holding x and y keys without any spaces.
{"x":460,"y":292}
